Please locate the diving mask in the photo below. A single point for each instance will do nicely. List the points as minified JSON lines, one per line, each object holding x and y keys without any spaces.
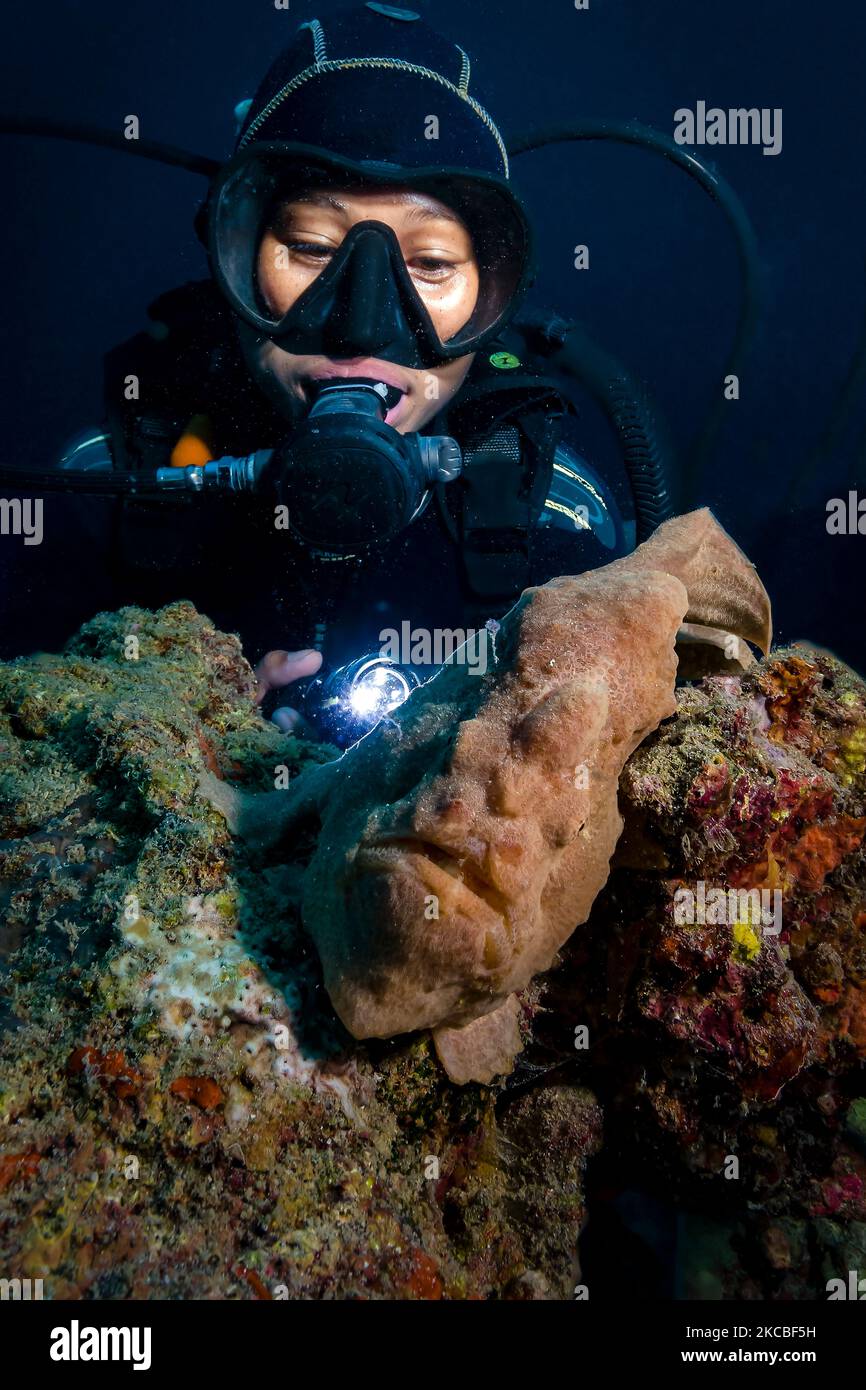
{"x":363,"y":302}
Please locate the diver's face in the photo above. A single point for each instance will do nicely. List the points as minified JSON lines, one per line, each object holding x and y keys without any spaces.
{"x":302,"y":237}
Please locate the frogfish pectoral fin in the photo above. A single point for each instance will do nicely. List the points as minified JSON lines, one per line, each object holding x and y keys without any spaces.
{"x":484,"y":1048}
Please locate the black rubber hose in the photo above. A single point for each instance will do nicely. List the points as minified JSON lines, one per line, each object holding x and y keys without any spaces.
{"x":631,"y":413}
{"x":626,"y":401}
{"x":634,"y":133}
{"x":109,"y":140}
{"x":107,"y":483}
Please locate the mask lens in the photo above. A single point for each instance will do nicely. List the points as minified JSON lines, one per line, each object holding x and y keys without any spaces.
{"x":265,"y":264}
{"x":501,"y":240}
{"x":244,"y":225}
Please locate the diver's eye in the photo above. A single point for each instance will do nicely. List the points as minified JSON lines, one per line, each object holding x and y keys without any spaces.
{"x":430,"y":268}
{"x":311,"y":251}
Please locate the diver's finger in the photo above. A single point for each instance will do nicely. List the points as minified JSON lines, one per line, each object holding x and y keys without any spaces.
{"x":279,"y":668}
{"x":291,"y":721}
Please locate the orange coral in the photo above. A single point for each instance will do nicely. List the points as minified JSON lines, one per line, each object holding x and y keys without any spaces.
{"x":787,"y":684}
{"x":820,"y":850}
{"x":806,"y":861}
{"x":111,"y":1068}
{"x":13,"y":1166}
{"x":202,"y":1091}
{"x":424,"y":1280}
{"x":788,"y":681}
{"x":853,"y":1020}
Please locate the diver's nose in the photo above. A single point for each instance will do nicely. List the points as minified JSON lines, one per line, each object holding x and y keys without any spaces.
{"x":365,"y":319}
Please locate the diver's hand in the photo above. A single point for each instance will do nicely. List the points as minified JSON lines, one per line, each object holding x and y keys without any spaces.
{"x":278,"y":669}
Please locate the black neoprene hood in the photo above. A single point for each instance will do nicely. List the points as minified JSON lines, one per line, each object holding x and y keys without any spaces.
{"x":363,"y":84}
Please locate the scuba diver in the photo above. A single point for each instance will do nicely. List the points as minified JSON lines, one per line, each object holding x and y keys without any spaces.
{"x":359,"y":426}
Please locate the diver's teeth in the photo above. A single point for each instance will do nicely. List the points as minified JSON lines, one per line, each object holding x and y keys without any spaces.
{"x":390,"y":394}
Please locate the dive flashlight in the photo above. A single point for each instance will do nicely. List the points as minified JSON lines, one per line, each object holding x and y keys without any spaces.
{"x":349,"y":702}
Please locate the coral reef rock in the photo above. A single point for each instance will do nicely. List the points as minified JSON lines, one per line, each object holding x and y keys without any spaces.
{"x":181,"y":1114}
{"x":721,"y":979}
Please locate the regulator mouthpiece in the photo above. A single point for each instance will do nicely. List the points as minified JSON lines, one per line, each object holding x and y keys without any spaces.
{"x":349,"y":480}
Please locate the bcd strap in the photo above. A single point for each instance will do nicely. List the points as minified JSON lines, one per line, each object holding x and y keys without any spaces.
{"x":496,"y":515}
{"x":504,"y":484}
{"x":508,"y":418}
